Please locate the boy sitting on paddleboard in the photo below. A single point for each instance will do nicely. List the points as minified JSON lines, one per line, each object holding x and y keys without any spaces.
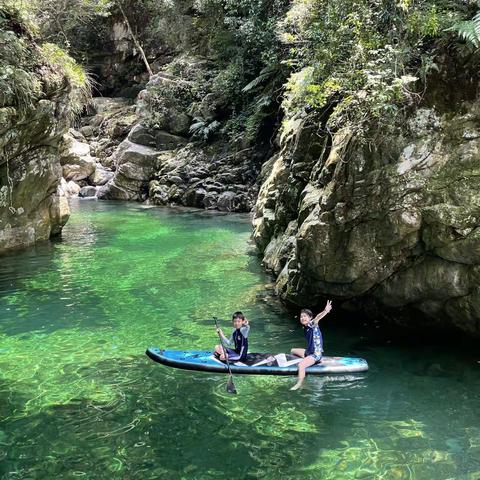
{"x":313,"y":353}
{"x":239,"y":337}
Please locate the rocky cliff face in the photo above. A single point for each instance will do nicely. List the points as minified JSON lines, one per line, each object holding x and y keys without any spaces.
{"x":33,"y":117}
{"x":32,"y":207}
{"x":392,"y":230}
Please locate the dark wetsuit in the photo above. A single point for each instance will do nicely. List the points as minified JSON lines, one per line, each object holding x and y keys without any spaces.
{"x":314,"y":341}
{"x":240,"y":338}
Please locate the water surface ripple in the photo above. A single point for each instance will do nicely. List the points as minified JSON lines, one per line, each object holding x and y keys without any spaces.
{"x":79,"y":399}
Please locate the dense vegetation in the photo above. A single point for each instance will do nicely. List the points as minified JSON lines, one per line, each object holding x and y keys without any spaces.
{"x":31,"y":69}
{"x":348,"y":62}
{"x":362,"y":62}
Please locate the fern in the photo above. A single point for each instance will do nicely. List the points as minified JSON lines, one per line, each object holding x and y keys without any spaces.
{"x":202,"y":129}
{"x":264,"y":75}
{"x":469,"y":30}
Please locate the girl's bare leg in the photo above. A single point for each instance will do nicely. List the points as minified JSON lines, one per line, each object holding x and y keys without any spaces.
{"x":305,"y":363}
{"x":299,"y":352}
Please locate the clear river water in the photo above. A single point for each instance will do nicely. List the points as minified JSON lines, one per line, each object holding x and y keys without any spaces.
{"x":80,"y":400}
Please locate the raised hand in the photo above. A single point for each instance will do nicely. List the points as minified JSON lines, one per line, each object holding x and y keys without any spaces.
{"x":328,"y":306}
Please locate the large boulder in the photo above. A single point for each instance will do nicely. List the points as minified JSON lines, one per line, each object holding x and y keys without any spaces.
{"x":163,"y":104}
{"x":77,"y":163}
{"x":152,"y":137}
{"x":170,"y":99}
{"x":87,"y":191}
{"x":32,"y":206}
{"x":392,"y":231}
{"x":135,"y":165}
{"x":112,"y":117}
{"x":101,"y":175}
{"x":107,"y":105}
{"x":70,"y":189}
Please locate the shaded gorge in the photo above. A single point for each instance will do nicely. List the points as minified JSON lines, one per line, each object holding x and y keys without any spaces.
{"x":79,"y":399}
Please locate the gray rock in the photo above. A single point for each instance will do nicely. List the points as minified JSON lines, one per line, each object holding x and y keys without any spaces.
{"x":158,"y":194}
{"x":184,"y":168}
{"x":173,"y":117}
{"x":33,"y":206}
{"x":396,"y":238}
{"x":159,"y":139}
{"x":167,"y":141}
{"x":70,"y":188}
{"x":210,"y":200}
{"x":87,"y":131}
{"x":87,"y":191}
{"x":80,"y":170}
{"x":105,"y":105}
{"x":76,"y":135}
{"x":77,"y":164}
{"x":225,"y":202}
{"x":135,"y":167}
{"x":142,"y":135}
{"x":101,"y":175}
{"x":194,"y":197}
{"x":74,"y":149}
{"x":175,"y":179}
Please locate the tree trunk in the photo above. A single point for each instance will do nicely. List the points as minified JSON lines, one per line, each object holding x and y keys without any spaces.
{"x":134,"y":38}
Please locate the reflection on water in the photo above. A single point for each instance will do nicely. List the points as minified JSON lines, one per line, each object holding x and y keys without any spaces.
{"x":79,"y":399}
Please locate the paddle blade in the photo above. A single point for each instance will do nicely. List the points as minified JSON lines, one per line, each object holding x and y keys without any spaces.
{"x":231,"y":386}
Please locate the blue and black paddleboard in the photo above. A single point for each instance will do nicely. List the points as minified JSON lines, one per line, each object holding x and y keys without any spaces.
{"x":255,"y":364}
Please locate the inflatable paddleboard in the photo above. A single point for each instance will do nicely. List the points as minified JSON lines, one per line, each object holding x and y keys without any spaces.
{"x":255,"y":364}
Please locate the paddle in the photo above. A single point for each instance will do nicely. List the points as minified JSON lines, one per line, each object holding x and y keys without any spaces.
{"x":230,"y":385}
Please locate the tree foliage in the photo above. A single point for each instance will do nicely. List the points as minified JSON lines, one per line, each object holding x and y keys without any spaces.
{"x":469,"y":30}
{"x":361,"y":62}
{"x":355,"y":62}
{"x":31,"y":70}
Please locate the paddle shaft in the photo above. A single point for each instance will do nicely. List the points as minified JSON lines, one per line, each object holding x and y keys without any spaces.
{"x":223,"y":347}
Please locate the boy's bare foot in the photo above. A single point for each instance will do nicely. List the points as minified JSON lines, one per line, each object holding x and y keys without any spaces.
{"x":297,"y":386}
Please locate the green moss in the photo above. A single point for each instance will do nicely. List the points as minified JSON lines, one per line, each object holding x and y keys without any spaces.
{"x":29,"y":72}
{"x":20,"y":86}
{"x":65,"y":66}
{"x":55,"y":55}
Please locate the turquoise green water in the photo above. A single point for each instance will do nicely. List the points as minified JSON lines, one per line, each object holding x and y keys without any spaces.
{"x":79,"y":399}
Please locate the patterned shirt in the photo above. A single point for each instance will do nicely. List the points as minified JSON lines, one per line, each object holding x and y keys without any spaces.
{"x":314,"y":339}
